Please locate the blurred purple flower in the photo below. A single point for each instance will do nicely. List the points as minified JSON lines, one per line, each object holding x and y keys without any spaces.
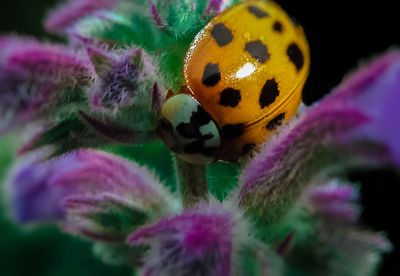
{"x":44,"y":61}
{"x":22,"y":99}
{"x":104,"y":196}
{"x":33,"y":76}
{"x":374,"y":90}
{"x":204,"y":240}
{"x":68,"y":13}
{"x":333,"y":201}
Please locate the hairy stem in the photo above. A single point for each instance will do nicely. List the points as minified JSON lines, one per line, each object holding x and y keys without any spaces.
{"x":192,"y":182}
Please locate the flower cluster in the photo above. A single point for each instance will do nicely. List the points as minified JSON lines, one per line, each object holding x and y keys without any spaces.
{"x":106,"y":87}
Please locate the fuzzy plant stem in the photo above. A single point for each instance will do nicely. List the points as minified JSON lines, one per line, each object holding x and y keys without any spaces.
{"x":192,"y":182}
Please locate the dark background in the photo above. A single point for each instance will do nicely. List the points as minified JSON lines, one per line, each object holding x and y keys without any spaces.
{"x":340,"y":36}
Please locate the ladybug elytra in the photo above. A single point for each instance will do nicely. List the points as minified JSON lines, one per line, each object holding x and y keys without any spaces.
{"x":243,"y":73}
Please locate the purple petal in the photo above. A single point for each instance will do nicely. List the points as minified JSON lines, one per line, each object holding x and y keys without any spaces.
{"x":374,"y":91}
{"x":381,"y":103}
{"x":32,"y":195}
{"x":214,"y":7}
{"x":125,"y":80}
{"x":23,"y":99}
{"x":156,"y":16}
{"x":202,"y":241}
{"x":340,"y":212}
{"x":43,"y":61}
{"x":67,"y":14}
{"x":33,"y":76}
{"x":83,"y":180}
{"x":120,"y":77}
{"x":333,"y":193}
{"x":333,"y":201}
{"x":103,"y":172}
{"x":118,"y":80}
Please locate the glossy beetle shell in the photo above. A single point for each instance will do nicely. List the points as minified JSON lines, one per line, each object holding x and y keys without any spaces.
{"x":247,"y":68}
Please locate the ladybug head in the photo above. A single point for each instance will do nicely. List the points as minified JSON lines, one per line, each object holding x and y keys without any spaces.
{"x":188,"y":130}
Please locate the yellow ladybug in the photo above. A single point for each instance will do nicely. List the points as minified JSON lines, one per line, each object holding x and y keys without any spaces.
{"x":244,"y":73}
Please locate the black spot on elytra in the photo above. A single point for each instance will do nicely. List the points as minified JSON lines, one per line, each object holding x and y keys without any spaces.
{"x":269,"y":92}
{"x":278,"y":27}
{"x":247,"y":148}
{"x":188,"y":130}
{"x":191,"y":130}
{"x":257,"y":50}
{"x":257,"y":12}
{"x":222,"y":35}
{"x":200,"y":117}
{"x":231,"y":131}
{"x":275,"y":122}
{"x":295,"y":55}
{"x":230,"y":97}
{"x":211,"y":75}
{"x":197,"y":119}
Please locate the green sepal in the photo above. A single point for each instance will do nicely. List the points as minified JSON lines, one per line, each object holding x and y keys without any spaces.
{"x":113,"y":219}
{"x":68,"y":135}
